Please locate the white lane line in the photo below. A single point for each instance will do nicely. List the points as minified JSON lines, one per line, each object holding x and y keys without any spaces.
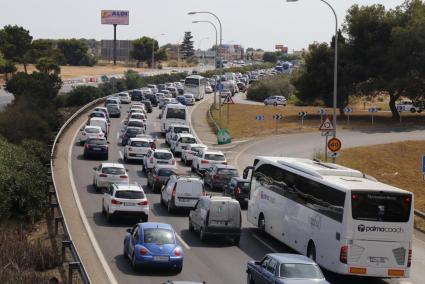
{"x":182,"y":242}
{"x":264,"y":243}
{"x":83,"y":217}
{"x":121,"y":155}
{"x":118,"y":135}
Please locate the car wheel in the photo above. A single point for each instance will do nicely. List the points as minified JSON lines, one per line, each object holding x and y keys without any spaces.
{"x":262,"y":223}
{"x":191,"y":228}
{"x":249,"y":279}
{"x":170,"y":207}
{"x":134,"y":263}
{"x":202,"y":234}
{"x":192,"y":169}
{"x":311,"y":252}
{"x":124,"y":253}
{"x":236,"y":240}
{"x":412,"y":110}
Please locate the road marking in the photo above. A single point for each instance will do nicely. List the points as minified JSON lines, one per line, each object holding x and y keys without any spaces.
{"x":118,"y":135}
{"x":121,"y":155}
{"x":83,"y":217}
{"x":182,"y":242}
{"x":264,"y":243}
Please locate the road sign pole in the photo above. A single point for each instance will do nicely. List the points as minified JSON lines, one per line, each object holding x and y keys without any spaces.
{"x":276,"y":126}
{"x":372,"y":118}
{"x":115,"y":45}
{"x":326,"y":148}
{"x":228,"y":114}
{"x":348,"y":119}
{"x":321,"y":119}
{"x":399,"y":114}
{"x":302,"y":122}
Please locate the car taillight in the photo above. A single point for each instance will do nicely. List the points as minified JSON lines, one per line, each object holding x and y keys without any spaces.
{"x":86,"y":146}
{"x":116,"y":202}
{"x":144,"y":202}
{"x":237,"y":191}
{"x":173,"y":194}
{"x":177,"y":252}
{"x":130,"y":149}
{"x":173,"y":162}
{"x":123,"y":176}
{"x":153,"y":146}
{"x":204,"y":162}
{"x":103,"y":175}
{"x":409,"y":258}
{"x":157,"y":178}
{"x":343,"y":255}
{"x":143,"y":251}
{"x":224,"y":163}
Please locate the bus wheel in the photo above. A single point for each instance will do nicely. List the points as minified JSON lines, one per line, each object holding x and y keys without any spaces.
{"x":261,"y":222}
{"x":311,"y":251}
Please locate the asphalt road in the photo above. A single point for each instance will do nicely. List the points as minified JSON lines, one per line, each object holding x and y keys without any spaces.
{"x":216,"y":261}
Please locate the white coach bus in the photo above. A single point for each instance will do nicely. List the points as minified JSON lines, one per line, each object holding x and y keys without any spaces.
{"x":347,"y":222}
{"x":195,"y":85}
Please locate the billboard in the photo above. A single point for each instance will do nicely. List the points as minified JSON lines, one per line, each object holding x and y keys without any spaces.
{"x":114,"y":17}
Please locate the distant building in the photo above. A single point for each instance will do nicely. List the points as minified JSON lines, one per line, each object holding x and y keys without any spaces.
{"x":124,"y":47}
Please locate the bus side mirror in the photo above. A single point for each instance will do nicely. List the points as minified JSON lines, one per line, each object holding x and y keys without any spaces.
{"x":246,"y":171}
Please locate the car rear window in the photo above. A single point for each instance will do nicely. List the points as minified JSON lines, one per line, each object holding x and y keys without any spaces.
{"x":300,"y":270}
{"x":244,"y":185}
{"x":134,"y":130}
{"x":140,"y":144}
{"x":113,"y":171}
{"x":162,"y":155}
{"x":166,"y":172}
{"x":214,"y":157}
{"x":92,"y":130}
{"x":97,"y":142}
{"x":187,"y":140}
{"x":135,"y":124}
{"x":130,"y":194}
{"x":158,"y":236}
{"x":137,"y":116}
{"x":381,"y":206}
{"x":181,"y":129}
{"x":233,"y":172}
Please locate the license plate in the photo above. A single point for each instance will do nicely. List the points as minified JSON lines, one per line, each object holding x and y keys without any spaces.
{"x":129,"y":204}
{"x":378,"y":259}
{"x":162,"y":162}
{"x":96,"y":149}
{"x":160,"y":258}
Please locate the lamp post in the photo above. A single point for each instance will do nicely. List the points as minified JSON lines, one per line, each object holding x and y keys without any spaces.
{"x":153,"y":49}
{"x":219,"y":22}
{"x":335,"y":64}
{"x":199,"y":47}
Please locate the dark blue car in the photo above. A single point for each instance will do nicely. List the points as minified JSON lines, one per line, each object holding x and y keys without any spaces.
{"x":181,"y":99}
{"x":153,"y":244}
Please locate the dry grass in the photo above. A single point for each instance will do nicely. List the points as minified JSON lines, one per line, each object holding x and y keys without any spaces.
{"x":398,"y":164}
{"x":242,"y":121}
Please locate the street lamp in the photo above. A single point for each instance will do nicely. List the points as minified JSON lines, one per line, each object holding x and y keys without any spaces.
{"x":153,"y":49}
{"x":200,"y":43}
{"x":335,"y":64}
{"x":215,"y":28}
{"x":215,"y":16}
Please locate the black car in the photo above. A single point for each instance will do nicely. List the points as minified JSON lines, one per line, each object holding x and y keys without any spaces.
{"x":96,"y":147}
{"x":130,"y":132}
{"x":237,"y":188}
{"x":114,"y":110}
{"x":153,"y":99}
{"x":148,"y":105}
{"x":180,"y":90}
{"x":219,"y":175}
{"x":159,"y":177}
{"x":241,"y":87}
{"x":136,"y":95}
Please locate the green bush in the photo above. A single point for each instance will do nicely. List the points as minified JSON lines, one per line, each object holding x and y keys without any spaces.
{"x":82,"y":95}
{"x":276,"y":86}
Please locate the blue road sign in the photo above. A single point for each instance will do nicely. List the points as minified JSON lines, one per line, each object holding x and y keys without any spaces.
{"x":220,"y":87}
{"x":259,"y":117}
{"x":423,"y":164}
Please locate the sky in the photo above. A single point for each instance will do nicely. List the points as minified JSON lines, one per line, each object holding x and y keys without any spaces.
{"x":259,"y":24}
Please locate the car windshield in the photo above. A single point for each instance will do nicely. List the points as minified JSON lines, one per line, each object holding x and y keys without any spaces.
{"x":140,"y":144}
{"x":162,"y":155}
{"x":187,"y":140}
{"x":158,"y":236}
{"x":137,"y":116}
{"x":166,"y":172}
{"x":123,"y":95}
{"x":113,"y":171}
{"x":97,"y":142}
{"x":380,"y":206}
{"x":97,"y":114}
{"x":214,"y":157}
{"x":112,"y":107}
{"x":178,"y":113}
{"x":92,"y":130}
{"x":130,"y":194}
{"x":300,"y":270}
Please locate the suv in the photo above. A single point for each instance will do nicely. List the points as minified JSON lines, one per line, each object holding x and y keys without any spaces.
{"x":219,"y":175}
{"x":216,"y":215}
{"x":190,"y":151}
{"x":183,"y":139}
{"x":182,"y":192}
{"x":136,"y":149}
{"x":156,"y":157}
{"x":175,"y":129}
{"x":108,"y":173}
{"x":205,"y":159}
{"x":125,"y":200}
{"x":275,"y":100}
{"x":237,"y":188}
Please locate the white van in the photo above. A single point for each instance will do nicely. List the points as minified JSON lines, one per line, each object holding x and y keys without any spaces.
{"x":101,"y":122}
{"x":174,"y":114}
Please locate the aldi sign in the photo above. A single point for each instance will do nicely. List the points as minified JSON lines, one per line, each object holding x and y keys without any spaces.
{"x":114,"y":17}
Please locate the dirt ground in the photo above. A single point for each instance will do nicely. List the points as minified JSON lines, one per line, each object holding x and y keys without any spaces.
{"x":242,"y":121}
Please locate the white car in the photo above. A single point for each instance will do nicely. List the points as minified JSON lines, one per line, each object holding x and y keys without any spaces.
{"x":175,"y":129}
{"x":104,"y":109}
{"x":190,"y":99}
{"x":190,"y":151}
{"x":125,"y":200}
{"x":137,"y":115}
{"x":275,"y":100}
{"x":408,"y":106}
{"x":208,"y":89}
{"x":136,"y":149}
{"x":108,"y":173}
{"x":205,"y":159}
{"x":124,"y":98}
{"x":183,"y":139}
{"x":182,"y":192}
{"x":158,"y":157}
{"x":89,"y":132}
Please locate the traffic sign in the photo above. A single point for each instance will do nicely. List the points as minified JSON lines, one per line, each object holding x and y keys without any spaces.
{"x":322,"y":111}
{"x":334,"y":144}
{"x":327,"y":133}
{"x":228,"y":100}
{"x":348,"y":110}
{"x":400,"y":108}
{"x":277,"y":116}
{"x":326,"y":125}
{"x":373,"y":109}
{"x":220,"y":87}
{"x":423,"y":164}
{"x":333,"y":155}
{"x":302,"y":114}
{"x":259,"y":117}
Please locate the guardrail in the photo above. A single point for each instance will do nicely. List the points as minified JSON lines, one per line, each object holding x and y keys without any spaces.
{"x":419,"y":214}
{"x":216,"y":126}
{"x":76,"y":263}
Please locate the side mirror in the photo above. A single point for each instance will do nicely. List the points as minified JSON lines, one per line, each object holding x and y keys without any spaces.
{"x":126,"y":170}
{"x":108,"y":142}
{"x":246,"y":171}
{"x":128,"y":231}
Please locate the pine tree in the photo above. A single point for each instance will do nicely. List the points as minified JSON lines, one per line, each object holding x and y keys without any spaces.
{"x":187,"y":45}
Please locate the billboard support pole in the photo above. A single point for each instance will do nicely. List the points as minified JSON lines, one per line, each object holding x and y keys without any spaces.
{"x":115,"y":44}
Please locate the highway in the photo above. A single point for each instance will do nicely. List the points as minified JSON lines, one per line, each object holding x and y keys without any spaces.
{"x":216,"y":261}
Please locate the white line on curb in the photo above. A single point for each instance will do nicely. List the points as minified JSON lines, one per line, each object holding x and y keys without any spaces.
{"x":182,"y":242}
{"x":121,"y":155}
{"x":90,"y":234}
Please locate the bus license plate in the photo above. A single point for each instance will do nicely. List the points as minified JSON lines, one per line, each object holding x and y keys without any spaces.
{"x":378,"y":259}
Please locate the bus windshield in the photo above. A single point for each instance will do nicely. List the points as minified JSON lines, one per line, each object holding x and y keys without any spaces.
{"x":381,"y":206}
{"x":177,"y":113}
{"x":191,"y":81}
